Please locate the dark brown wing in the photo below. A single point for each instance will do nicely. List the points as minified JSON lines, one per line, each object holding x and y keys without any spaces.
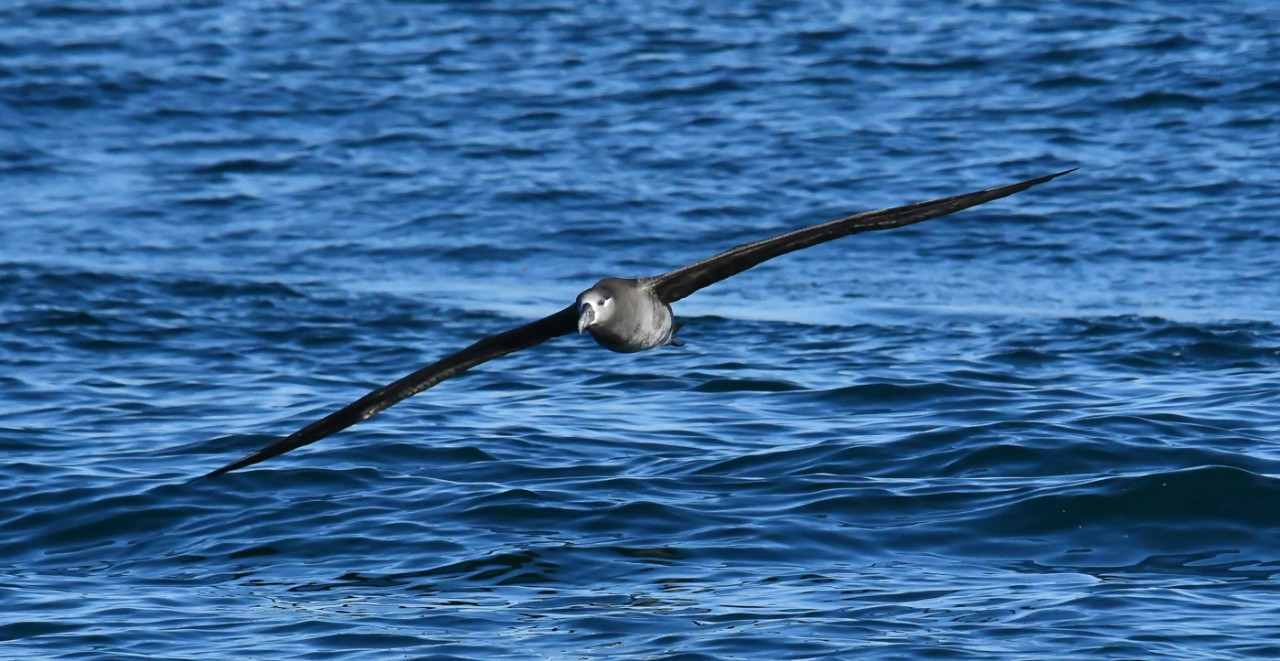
{"x":677,"y":284}
{"x":563,"y":322}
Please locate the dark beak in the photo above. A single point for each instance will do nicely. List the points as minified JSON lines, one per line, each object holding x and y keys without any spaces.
{"x":586,"y":317}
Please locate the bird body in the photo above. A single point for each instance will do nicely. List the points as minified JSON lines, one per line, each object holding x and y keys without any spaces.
{"x":625,"y":315}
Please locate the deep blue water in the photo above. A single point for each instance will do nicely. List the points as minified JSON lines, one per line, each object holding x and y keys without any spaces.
{"x":1044,"y":427}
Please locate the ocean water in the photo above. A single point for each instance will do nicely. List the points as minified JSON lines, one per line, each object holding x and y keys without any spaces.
{"x":1044,"y":427}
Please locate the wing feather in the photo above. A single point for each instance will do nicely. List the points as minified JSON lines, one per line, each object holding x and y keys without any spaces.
{"x":532,"y":334}
{"x":677,"y":284}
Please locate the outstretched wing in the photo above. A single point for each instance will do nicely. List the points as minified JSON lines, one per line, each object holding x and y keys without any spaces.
{"x":563,"y":322}
{"x":677,"y":284}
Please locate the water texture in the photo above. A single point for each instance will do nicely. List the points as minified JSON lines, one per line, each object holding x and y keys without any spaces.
{"x":1044,"y":427}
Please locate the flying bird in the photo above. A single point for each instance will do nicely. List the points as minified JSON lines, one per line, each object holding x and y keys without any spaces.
{"x":625,"y":314}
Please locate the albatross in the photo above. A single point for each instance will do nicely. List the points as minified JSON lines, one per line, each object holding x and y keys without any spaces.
{"x":625,"y":314}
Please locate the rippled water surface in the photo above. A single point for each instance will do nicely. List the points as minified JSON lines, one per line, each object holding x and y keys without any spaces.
{"x":1043,"y":427}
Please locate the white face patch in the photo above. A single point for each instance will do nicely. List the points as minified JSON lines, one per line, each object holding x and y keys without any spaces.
{"x":603,"y":306}
{"x":594,"y":308}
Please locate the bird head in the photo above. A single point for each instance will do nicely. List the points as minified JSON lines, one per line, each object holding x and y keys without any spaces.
{"x":595,"y":306}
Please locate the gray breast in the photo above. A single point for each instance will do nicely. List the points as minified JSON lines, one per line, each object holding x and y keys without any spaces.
{"x":639,"y":322}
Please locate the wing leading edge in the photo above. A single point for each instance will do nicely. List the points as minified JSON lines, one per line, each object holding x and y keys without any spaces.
{"x":675,"y":285}
{"x":532,"y":334}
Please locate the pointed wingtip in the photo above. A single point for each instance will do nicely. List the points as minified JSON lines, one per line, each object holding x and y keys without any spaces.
{"x":1059,"y":174}
{"x":241,"y":463}
{"x":1048,"y":177}
{"x":206,"y":476}
{"x":1010,"y":189}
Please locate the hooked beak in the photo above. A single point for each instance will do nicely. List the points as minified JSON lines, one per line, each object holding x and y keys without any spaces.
{"x":586,"y":317}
